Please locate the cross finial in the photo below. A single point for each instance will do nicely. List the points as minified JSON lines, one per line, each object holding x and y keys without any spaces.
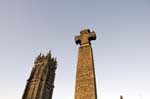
{"x":85,"y":37}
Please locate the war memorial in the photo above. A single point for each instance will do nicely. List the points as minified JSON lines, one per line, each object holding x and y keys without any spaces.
{"x":40,"y":84}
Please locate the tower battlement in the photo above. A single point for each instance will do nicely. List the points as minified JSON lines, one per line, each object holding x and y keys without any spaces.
{"x":47,"y":59}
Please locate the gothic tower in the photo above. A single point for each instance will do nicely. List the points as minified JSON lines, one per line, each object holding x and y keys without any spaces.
{"x":41,"y":81}
{"x":85,"y":87}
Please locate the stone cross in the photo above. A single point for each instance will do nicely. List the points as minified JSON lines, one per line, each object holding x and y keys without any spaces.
{"x":85,"y":37}
{"x":85,"y":87}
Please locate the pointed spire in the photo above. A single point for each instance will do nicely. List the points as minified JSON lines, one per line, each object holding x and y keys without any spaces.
{"x":48,"y":56}
{"x":55,"y":61}
{"x":38,"y":57}
{"x":43,"y":56}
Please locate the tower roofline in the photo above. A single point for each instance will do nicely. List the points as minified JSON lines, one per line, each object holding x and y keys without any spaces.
{"x":48,"y":57}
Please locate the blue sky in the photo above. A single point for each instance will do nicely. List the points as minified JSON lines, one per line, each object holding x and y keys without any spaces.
{"x":121,"y":51}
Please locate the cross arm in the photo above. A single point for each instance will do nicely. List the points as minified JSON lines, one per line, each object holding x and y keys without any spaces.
{"x":92,"y":36}
{"x":77,"y":39}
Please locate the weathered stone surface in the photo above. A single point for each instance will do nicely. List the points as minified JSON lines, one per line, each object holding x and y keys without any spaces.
{"x":41,"y":81}
{"x":85,"y":78}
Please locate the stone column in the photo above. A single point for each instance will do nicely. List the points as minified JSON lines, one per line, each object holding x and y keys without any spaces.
{"x":85,"y":87}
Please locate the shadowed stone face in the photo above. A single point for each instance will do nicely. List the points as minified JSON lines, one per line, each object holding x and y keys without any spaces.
{"x":85,"y":37}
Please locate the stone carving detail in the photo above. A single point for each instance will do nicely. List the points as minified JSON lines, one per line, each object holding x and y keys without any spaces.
{"x":85,"y":77}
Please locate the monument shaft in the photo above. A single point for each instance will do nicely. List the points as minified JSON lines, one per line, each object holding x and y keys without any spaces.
{"x":85,"y":77}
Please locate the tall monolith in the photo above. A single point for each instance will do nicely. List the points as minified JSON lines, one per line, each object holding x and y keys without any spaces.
{"x":85,"y":87}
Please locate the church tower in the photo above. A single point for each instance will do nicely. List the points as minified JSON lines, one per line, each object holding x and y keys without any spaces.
{"x":41,"y":81}
{"x":85,"y":77}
